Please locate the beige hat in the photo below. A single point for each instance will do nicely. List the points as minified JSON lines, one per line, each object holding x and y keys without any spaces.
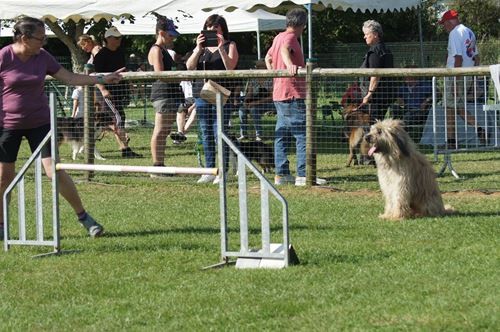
{"x":112,"y":32}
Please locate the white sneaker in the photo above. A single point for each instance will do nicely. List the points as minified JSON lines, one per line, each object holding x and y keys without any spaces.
{"x":258,"y":139}
{"x":206,"y":178}
{"x":283,"y":179}
{"x":300,"y":181}
{"x":216,"y":180}
{"x":320,"y":181}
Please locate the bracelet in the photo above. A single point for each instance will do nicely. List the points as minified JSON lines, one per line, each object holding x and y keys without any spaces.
{"x":100,"y":79}
{"x":372,"y":91}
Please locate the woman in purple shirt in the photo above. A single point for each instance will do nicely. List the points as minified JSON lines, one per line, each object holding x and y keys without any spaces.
{"x":24,"y":109}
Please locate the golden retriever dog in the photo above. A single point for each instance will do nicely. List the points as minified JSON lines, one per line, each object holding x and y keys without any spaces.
{"x":357,"y":124}
{"x":406,"y":177}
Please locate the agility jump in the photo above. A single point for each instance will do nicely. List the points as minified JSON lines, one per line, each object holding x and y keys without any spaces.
{"x":270,"y":255}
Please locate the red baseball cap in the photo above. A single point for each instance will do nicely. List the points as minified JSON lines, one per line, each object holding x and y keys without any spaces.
{"x":448,"y":15}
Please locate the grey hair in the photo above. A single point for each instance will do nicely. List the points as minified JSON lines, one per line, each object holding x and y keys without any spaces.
{"x":296,"y":17}
{"x":26,"y":26}
{"x":373,"y":26}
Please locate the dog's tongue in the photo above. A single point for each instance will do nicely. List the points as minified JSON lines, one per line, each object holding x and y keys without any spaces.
{"x":372,"y":150}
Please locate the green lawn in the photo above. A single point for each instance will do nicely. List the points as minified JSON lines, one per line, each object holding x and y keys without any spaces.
{"x":356,"y":272}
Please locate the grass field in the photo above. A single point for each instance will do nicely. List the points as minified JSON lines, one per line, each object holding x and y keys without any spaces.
{"x":356,"y":272}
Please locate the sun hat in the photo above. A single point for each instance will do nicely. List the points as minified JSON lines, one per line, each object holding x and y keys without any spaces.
{"x":448,"y":15}
{"x":112,"y":32}
{"x":170,"y":27}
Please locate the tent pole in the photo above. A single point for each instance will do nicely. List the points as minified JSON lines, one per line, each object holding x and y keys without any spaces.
{"x":420,"y":35}
{"x":309,"y":31}
{"x":258,"y":40}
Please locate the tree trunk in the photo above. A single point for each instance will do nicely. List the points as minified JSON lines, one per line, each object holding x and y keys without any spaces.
{"x":78,"y":56}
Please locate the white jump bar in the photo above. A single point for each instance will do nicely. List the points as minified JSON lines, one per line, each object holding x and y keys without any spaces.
{"x":138,"y":169}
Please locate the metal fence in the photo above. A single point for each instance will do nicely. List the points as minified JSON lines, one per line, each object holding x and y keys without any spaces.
{"x":442,"y":113}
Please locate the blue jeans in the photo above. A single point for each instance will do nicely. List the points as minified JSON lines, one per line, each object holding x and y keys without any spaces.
{"x":207,"y":121}
{"x":256,"y":112}
{"x":291,"y":121}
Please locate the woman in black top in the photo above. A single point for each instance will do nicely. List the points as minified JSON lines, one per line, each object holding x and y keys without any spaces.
{"x":164,"y":95}
{"x":224,"y":56}
{"x":379,"y":93}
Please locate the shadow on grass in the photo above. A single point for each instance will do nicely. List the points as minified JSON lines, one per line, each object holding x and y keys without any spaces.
{"x":354,"y":178}
{"x":349,"y":259}
{"x":184,"y":230}
{"x":473,"y":175}
{"x":475,"y":214}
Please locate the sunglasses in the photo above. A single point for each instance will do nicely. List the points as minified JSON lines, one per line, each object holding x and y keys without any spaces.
{"x":42,"y":39}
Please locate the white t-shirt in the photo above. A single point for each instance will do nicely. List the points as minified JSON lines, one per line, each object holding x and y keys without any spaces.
{"x":187,"y":88}
{"x":461,"y":41}
{"x":78,"y":95}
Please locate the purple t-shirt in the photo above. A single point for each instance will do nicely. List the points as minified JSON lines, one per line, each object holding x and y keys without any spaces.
{"x":23,"y":102}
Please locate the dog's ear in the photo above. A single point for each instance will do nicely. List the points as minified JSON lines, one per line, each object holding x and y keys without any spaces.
{"x":401,"y":145}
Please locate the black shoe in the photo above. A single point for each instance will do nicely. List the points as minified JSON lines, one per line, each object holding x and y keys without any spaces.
{"x":128,"y":153}
{"x":178,"y":136}
{"x":451,"y":144}
{"x":481,"y":134}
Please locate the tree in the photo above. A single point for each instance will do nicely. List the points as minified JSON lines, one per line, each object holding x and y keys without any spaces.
{"x":482,"y":16}
{"x":69,"y":32}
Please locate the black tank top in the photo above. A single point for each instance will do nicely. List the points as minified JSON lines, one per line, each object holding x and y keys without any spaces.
{"x":164,"y":90}
{"x":212,"y":61}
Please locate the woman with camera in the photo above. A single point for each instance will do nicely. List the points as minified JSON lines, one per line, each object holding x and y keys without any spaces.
{"x":211,"y":53}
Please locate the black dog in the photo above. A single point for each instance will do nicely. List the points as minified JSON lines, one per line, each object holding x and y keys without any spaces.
{"x":256,"y":151}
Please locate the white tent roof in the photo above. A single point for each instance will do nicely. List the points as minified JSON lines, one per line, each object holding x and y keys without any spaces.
{"x":362,"y":5}
{"x":97,"y":9}
{"x":237,"y":20}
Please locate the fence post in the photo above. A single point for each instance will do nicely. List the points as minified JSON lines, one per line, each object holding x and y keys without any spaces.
{"x":310,"y":125}
{"x":88,"y":123}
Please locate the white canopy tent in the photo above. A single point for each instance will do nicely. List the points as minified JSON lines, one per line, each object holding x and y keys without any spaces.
{"x":237,"y":20}
{"x":108,"y":9}
{"x":272,"y":5}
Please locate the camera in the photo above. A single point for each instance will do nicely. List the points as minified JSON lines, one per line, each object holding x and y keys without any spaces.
{"x":210,"y":38}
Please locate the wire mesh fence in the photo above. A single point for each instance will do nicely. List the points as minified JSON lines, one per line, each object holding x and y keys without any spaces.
{"x":441,"y":114}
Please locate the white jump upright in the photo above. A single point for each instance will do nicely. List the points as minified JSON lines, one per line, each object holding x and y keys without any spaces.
{"x":269,"y":255}
{"x":18,"y":182}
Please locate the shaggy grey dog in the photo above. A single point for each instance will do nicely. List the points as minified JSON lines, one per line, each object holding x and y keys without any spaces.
{"x":406,"y":177}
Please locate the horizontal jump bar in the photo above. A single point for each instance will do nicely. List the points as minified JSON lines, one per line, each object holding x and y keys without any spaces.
{"x":138,"y":169}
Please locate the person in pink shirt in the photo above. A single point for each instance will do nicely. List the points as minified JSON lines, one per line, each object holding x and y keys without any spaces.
{"x":24,"y":109}
{"x":288,"y":96}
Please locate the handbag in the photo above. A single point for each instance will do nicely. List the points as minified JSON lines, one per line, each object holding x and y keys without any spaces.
{"x":209,"y":92}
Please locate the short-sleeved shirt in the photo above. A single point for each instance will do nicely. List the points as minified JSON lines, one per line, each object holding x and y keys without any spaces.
{"x":379,"y":56}
{"x":108,"y":61}
{"x":289,"y":87}
{"x":23,"y":101}
{"x":78,"y":95}
{"x":461,"y":41}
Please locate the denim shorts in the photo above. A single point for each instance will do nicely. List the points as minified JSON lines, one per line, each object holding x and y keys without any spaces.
{"x":10,"y":141}
{"x":164,"y":106}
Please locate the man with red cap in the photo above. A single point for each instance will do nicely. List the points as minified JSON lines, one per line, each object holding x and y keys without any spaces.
{"x":462,"y":52}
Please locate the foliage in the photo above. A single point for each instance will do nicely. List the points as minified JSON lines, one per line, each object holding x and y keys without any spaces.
{"x":481,"y":16}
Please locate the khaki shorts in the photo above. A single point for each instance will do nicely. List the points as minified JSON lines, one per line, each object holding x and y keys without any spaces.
{"x":164,"y":106}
